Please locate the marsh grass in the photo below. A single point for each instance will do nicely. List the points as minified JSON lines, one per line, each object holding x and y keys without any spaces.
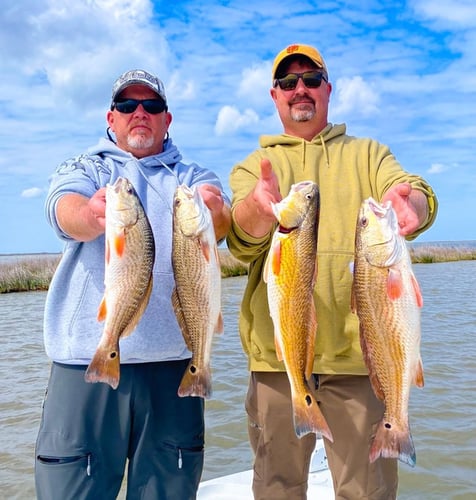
{"x":428,"y":254}
{"x":230,"y":266}
{"x":27,"y":274}
{"x":35,"y":273}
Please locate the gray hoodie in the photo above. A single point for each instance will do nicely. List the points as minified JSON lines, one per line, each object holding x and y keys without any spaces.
{"x":71,"y":328}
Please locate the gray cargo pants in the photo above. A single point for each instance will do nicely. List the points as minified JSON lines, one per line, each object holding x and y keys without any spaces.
{"x":89,"y":431}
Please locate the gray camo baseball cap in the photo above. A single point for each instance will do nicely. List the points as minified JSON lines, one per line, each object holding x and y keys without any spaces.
{"x":138,"y":76}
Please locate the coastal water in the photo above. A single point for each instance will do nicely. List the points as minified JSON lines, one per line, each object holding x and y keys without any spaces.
{"x":442,"y":414}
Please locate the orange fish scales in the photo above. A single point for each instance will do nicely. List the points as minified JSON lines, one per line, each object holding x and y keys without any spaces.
{"x":290,"y":273}
{"x":387,"y":300}
{"x":129,"y":259}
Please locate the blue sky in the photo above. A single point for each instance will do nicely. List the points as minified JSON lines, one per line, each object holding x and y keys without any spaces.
{"x":403,"y":73}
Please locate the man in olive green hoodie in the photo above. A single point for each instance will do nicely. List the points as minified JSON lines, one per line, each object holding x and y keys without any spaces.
{"x":347,"y":171}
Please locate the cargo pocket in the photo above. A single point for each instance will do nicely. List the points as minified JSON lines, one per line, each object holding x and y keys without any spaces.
{"x":63,"y":477}
{"x":185,"y":465}
{"x":255,"y":426}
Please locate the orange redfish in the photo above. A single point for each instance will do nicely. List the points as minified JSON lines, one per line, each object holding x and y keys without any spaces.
{"x":290,"y":273}
{"x":387,"y":299}
{"x":197,"y":295}
{"x":130,"y":253}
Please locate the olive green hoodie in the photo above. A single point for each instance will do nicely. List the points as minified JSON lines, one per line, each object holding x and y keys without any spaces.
{"x":347,"y":171}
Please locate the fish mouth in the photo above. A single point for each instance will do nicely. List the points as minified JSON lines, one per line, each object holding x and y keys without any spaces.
{"x":378,"y":209}
{"x":301,"y":185}
{"x":286,"y":230}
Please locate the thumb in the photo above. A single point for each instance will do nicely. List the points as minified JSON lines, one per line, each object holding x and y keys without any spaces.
{"x":404,"y":189}
{"x":266,"y":169}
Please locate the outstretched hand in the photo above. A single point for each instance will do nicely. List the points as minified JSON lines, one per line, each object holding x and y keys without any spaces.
{"x":219,"y":210}
{"x":212,"y":197}
{"x":266,"y":190}
{"x":402,"y":198}
{"x":97,"y":209}
{"x":254,"y":214}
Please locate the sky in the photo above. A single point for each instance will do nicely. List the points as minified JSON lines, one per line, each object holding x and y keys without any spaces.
{"x":403,"y":73}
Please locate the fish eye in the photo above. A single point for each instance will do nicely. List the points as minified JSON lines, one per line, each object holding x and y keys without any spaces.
{"x":364,"y":222}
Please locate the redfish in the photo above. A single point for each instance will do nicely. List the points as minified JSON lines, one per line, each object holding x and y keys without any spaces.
{"x":129,"y":256}
{"x":197,"y":295}
{"x":290,"y":273}
{"x":387,"y":299}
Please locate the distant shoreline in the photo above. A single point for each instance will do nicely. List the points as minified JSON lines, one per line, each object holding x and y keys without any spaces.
{"x":33,"y":272}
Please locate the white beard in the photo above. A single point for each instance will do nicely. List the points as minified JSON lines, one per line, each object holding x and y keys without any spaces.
{"x":140,"y":142}
{"x":302,"y":114}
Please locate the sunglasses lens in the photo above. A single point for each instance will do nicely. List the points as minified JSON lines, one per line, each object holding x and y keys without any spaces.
{"x":152,"y":106}
{"x":126,"y":106}
{"x":311,"y":79}
{"x":289,"y":82}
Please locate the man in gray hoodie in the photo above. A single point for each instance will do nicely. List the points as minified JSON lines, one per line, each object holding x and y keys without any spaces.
{"x":89,"y":431}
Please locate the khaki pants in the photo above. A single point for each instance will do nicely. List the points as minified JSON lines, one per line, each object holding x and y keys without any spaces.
{"x":282,"y":460}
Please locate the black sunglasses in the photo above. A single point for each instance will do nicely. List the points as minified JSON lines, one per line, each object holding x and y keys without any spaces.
{"x":152,"y":106}
{"x":311,"y":79}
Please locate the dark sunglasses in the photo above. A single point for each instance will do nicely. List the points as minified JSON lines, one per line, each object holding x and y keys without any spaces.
{"x":152,"y":106}
{"x":311,"y":79}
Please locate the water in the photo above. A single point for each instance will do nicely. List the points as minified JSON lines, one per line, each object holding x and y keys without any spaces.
{"x":443,"y":413}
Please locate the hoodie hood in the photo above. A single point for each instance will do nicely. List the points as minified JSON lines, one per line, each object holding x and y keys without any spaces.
{"x":328,"y":133}
{"x":105,"y":147}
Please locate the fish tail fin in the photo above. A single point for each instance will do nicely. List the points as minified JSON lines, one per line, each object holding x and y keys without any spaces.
{"x":105,"y":365}
{"x":196,"y":381}
{"x":418,"y":378}
{"x":393,"y":442}
{"x":308,"y":417}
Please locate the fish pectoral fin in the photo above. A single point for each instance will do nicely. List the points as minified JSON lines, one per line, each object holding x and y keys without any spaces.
{"x":418,"y":379}
{"x":273,"y":260}
{"x":219,"y":325}
{"x":276,"y":259}
{"x":119,"y":242}
{"x":102,"y":311}
{"x":394,"y":284}
{"x":416,"y":288}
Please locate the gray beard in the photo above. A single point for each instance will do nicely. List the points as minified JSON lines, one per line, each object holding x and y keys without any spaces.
{"x":303,"y":114}
{"x":140,"y":142}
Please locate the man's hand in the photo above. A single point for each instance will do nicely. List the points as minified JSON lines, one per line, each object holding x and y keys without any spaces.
{"x":220,"y":212}
{"x":254,"y":214}
{"x":266,"y":190}
{"x":410,"y":206}
{"x":84,"y":219}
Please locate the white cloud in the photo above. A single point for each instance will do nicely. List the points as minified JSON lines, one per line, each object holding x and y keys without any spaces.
{"x":255,"y":83}
{"x":462,"y":12}
{"x":230,"y":120}
{"x":34,"y":192}
{"x":437,"y":168}
{"x":354,"y":95}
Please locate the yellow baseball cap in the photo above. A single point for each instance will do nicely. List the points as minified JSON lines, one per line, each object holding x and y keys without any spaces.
{"x":305,"y":50}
